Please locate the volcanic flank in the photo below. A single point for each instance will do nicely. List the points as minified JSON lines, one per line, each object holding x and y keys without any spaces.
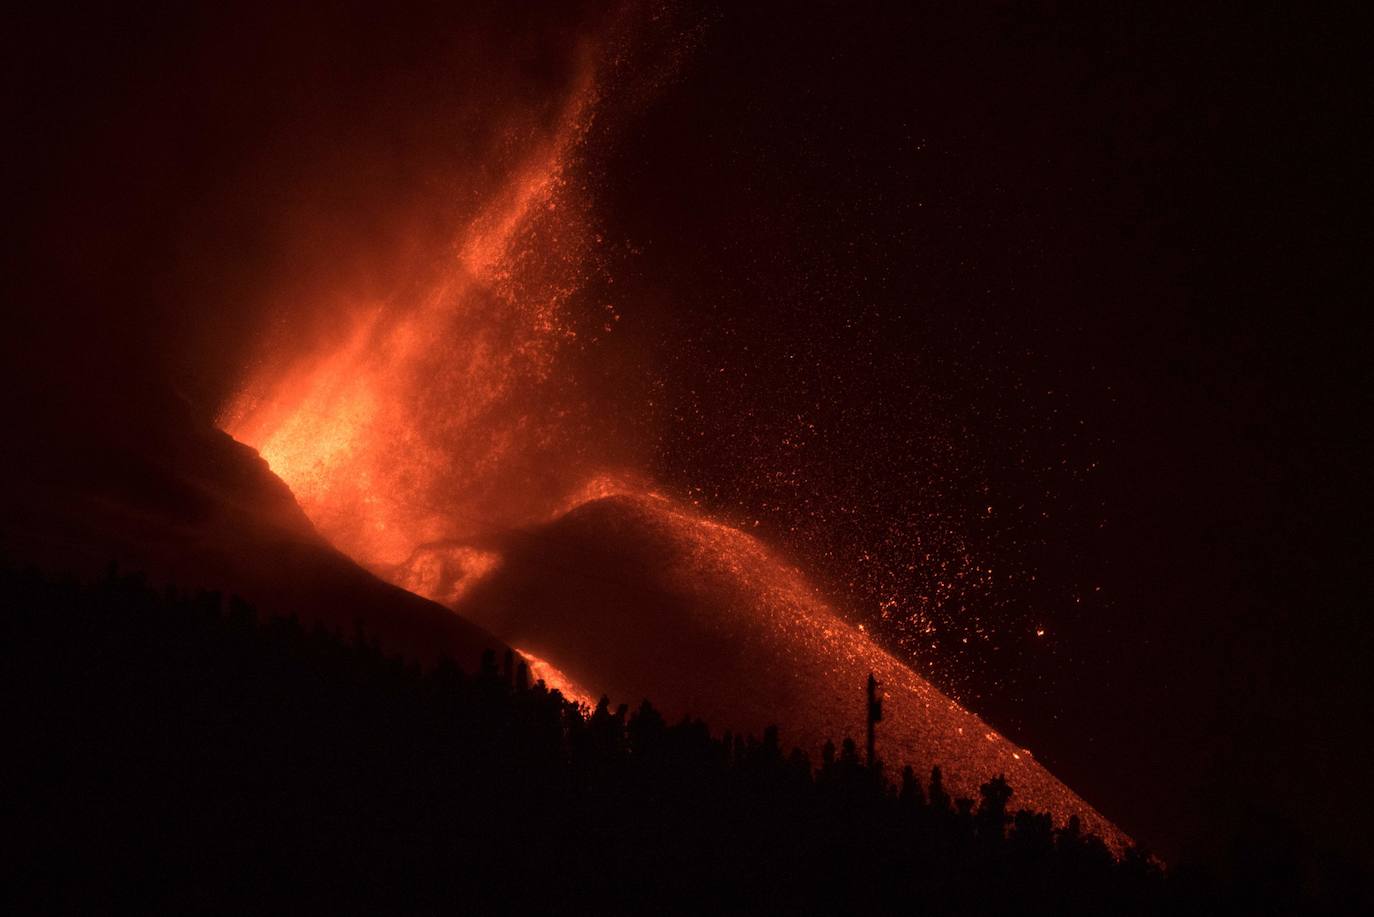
{"x":433,"y":428}
{"x":135,"y":479}
{"x":636,"y":597}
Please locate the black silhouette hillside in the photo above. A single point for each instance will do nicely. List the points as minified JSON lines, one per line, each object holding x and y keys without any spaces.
{"x":179,"y":754}
{"x":115,"y":468}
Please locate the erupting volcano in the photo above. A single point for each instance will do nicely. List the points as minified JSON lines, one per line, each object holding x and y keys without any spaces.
{"x":439,"y":414}
{"x":713,"y":358}
{"x":441,"y":438}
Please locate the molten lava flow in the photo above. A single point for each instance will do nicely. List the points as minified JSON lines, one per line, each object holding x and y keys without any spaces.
{"x":556,"y":679}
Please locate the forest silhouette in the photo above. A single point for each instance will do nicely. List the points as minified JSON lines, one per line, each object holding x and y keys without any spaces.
{"x":176,"y":753}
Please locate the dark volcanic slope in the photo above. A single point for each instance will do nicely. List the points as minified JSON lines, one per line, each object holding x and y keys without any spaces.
{"x":89,"y":480}
{"x":635,"y":597}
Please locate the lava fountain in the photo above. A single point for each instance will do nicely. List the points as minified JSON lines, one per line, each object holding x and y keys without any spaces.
{"x":440,"y":439}
{"x":437,"y":415}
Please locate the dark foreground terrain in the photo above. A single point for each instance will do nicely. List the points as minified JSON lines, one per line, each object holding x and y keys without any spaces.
{"x":173,"y":753}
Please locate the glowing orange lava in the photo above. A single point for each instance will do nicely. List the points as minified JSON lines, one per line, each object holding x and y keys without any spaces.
{"x":425,"y":422}
{"x":433,"y":438}
{"x":556,"y":679}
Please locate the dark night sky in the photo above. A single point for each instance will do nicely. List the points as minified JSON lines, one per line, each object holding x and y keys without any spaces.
{"x":1035,"y":318}
{"x":1060,"y":295}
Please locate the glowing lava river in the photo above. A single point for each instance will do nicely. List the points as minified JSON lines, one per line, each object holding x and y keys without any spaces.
{"x":437,"y":438}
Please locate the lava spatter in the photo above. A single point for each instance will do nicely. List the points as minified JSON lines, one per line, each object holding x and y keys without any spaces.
{"x":442,"y":441}
{"x":635,"y":596}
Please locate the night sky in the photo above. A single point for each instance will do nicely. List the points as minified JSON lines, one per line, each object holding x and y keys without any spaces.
{"x":1051,"y":306}
{"x":1031,"y":333}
